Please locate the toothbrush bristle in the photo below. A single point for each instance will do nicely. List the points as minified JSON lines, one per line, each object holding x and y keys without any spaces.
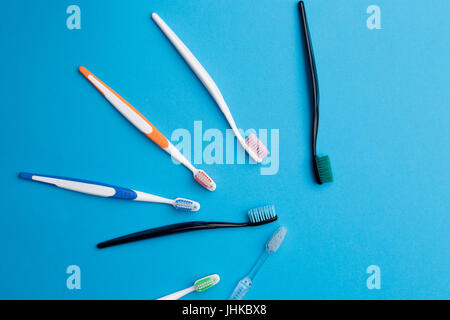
{"x":205,"y":180}
{"x":262,"y":214}
{"x":257,"y":146}
{"x":324,"y":169}
{"x":206,"y":282}
{"x":186,"y":205}
{"x":277,"y":239}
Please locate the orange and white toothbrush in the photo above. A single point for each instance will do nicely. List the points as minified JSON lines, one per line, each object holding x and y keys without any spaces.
{"x":140,"y":122}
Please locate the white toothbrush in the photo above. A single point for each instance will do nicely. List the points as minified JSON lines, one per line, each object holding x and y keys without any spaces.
{"x":199,"y":286}
{"x":140,"y":122}
{"x":109,"y":191}
{"x":255,"y":148}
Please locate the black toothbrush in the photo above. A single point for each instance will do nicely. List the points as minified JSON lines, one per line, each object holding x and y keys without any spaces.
{"x":257,"y":216}
{"x":322,"y":165}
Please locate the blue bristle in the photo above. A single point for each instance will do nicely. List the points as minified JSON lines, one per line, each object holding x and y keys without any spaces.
{"x":186,"y":205}
{"x":262,"y":214}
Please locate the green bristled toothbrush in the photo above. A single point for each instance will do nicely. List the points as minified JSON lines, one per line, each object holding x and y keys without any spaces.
{"x":200,"y":285}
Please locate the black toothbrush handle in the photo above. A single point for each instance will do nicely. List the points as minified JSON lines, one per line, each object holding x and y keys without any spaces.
{"x":169,"y":229}
{"x":313,"y":73}
{"x":314,"y":85}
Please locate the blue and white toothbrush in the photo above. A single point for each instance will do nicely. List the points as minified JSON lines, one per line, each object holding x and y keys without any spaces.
{"x":271,"y":246}
{"x":109,"y":191}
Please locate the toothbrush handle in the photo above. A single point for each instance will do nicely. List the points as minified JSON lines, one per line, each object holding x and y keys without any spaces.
{"x":137,"y":119}
{"x":245,"y":284}
{"x":259,"y":263}
{"x":205,"y":78}
{"x":241,"y":289}
{"x":83,"y":186}
{"x":198,"y":69}
{"x":166,"y":230}
{"x":177,"y":295}
{"x":127,"y":110}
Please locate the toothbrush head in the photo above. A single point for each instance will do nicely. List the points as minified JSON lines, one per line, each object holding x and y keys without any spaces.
{"x":323,"y":169}
{"x":277,"y":239}
{"x":186,"y":205}
{"x":204,"y":180}
{"x":206,"y":282}
{"x":258,"y":148}
{"x":262,"y":215}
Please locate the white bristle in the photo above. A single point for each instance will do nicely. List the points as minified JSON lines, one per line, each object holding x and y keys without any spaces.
{"x":261,"y":214}
{"x":257,"y":146}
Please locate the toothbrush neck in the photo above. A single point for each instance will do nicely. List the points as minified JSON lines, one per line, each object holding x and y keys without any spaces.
{"x":262,"y":258}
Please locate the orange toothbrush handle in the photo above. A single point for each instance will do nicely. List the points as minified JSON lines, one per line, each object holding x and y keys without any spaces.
{"x":127,"y":110}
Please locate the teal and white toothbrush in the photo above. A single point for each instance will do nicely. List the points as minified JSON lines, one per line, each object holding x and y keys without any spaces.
{"x":271,"y":246}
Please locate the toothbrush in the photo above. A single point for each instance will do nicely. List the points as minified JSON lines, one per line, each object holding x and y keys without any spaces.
{"x":109,"y":191}
{"x":255,"y":148}
{"x":271,"y":246}
{"x":321,"y":164}
{"x":140,"y":122}
{"x":257,"y":217}
{"x":200,"y":285}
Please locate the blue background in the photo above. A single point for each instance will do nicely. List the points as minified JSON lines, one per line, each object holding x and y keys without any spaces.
{"x":384,"y":123}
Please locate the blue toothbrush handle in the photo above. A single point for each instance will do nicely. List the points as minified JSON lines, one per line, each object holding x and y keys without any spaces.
{"x":83,"y":186}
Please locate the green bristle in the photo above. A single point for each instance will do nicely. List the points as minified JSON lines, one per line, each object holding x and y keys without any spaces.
{"x":324,"y":169}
